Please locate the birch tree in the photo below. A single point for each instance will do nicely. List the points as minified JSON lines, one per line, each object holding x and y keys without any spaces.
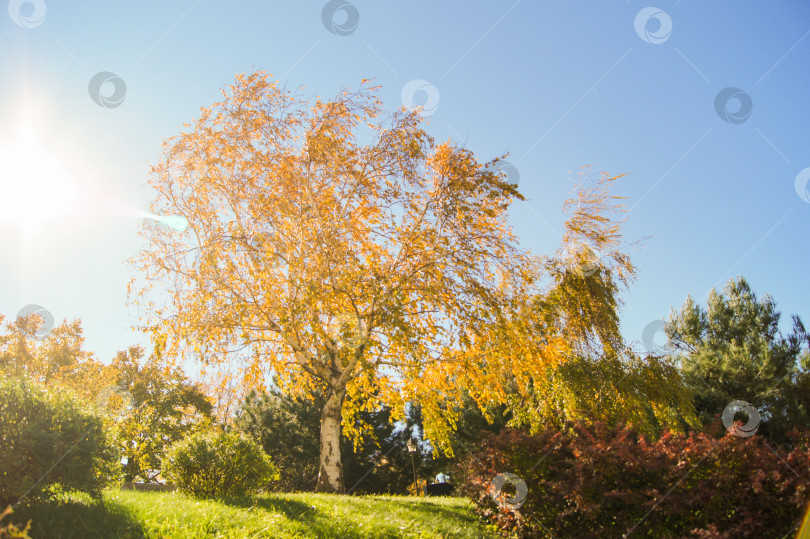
{"x":341,"y":247}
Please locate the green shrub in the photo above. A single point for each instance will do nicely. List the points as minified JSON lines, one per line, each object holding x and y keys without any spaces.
{"x":218,"y":464}
{"x":42,"y":429}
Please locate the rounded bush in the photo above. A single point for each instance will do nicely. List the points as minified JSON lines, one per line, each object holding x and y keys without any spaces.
{"x":607,"y":481}
{"x":47,"y":438}
{"x":218,"y":464}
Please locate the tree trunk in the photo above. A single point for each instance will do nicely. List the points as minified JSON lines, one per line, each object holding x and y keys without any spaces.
{"x":330,"y":471}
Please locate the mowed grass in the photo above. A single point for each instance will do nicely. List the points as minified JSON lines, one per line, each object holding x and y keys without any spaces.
{"x":130,"y":514}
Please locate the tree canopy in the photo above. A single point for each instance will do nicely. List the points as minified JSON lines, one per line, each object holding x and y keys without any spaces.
{"x":733,"y":349}
{"x":340,"y":246}
{"x":59,"y":360}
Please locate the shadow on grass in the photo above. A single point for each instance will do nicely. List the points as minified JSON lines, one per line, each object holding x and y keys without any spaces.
{"x":311,"y":519}
{"x":429,"y":505}
{"x":69,"y":519}
{"x":292,"y":509}
{"x":319,"y":524}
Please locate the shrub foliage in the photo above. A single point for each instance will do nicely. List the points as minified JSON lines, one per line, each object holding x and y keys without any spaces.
{"x":612,"y":481}
{"x":42,"y":429}
{"x":218,"y":464}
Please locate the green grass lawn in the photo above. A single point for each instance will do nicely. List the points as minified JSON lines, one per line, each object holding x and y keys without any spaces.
{"x":133,"y":514}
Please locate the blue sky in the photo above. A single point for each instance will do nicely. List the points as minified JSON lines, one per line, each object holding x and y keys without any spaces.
{"x":557,"y":85}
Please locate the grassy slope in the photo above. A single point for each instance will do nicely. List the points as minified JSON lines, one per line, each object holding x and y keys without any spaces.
{"x":156,"y":514}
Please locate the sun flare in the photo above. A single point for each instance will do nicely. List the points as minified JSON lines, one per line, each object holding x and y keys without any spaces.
{"x":34,"y":187}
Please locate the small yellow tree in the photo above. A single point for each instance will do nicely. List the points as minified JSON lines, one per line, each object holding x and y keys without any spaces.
{"x":346,"y":249}
{"x":58,"y":360}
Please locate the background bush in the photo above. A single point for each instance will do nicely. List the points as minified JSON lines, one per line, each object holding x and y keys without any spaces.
{"x":166,"y":407}
{"x":610,"y":481}
{"x":37,"y":429}
{"x":218,"y":464}
{"x":288,"y":428}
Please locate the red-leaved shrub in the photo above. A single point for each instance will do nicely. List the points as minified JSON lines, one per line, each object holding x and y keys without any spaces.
{"x":611,"y":482}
